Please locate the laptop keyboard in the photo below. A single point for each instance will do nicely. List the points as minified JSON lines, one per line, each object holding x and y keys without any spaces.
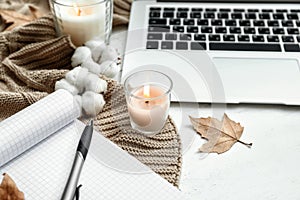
{"x":223,"y":29}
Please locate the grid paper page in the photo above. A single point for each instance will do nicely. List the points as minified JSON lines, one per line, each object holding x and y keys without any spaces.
{"x":35,"y":123}
{"x":111,"y":173}
{"x":42,"y":172}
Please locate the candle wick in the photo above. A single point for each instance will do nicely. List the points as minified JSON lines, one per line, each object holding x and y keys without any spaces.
{"x":146,"y":102}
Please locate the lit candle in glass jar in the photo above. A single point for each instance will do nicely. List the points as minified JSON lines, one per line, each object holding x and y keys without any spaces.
{"x":83,"y":22}
{"x":148,"y":107}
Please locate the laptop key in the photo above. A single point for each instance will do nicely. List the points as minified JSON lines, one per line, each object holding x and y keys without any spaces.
{"x":250,"y":15}
{"x":216,"y":22}
{"x":298,"y":38}
{"x":291,"y":47}
{"x":197,"y":9}
{"x":220,"y":29}
{"x":273,"y":23}
{"x":258,"y":38}
{"x":168,"y":14}
{"x":171,"y":36}
{"x":155,"y":9}
{"x":253,"y":10}
{"x":169,"y":9}
{"x":209,"y":15}
{"x":267,"y":10}
{"x":292,"y":16}
{"x":287,"y":23}
{"x":210,"y":9}
{"x":264,"y":16}
{"x":278,"y":16}
{"x":278,"y":31}
{"x":178,"y":29}
{"x":188,"y":21}
{"x":198,"y":46}
{"x":263,"y":30}
{"x":154,"y":21}
{"x":230,"y":22}
{"x":243,"y":38}
{"x":272,"y":38}
{"x":174,"y":21}
{"x":185,"y":37}
{"x":154,"y":36}
{"x":245,"y":47}
{"x":298,"y":23}
{"x":195,"y":15}
{"x":159,"y":29}
{"x":182,"y":14}
{"x":206,"y":29}
{"x":238,"y":10}
{"x":152,"y":45}
{"x":287,"y":39}
{"x":293,"y":31}
{"x":249,"y":30}
{"x":258,"y":23}
{"x":199,"y":37}
{"x":183,"y":9}
{"x":295,"y":10}
{"x":154,"y":14}
{"x":223,"y":15}
{"x":225,"y":10}
{"x":166,"y":45}
{"x":181,"y":45}
{"x":236,"y":16}
{"x":202,"y":22}
{"x":230,"y":38}
{"x":245,"y":23}
{"x":235,"y":30}
{"x":192,"y":29}
{"x":281,"y":10}
{"x":214,"y":38}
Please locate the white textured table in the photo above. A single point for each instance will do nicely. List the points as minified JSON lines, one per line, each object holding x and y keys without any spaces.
{"x":269,"y":170}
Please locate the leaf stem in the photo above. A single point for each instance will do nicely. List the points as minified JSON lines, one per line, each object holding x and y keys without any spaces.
{"x":249,"y":145}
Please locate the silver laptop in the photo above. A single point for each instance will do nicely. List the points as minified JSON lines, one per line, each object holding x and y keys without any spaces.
{"x":219,"y":51}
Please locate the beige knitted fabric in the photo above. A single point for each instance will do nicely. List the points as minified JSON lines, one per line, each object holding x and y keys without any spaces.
{"x":33,"y":59}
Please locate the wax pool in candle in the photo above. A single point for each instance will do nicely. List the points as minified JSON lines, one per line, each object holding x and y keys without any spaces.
{"x":83,"y":23}
{"x":148,"y":108}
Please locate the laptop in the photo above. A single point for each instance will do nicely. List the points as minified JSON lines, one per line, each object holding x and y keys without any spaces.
{"x":219,"y":51}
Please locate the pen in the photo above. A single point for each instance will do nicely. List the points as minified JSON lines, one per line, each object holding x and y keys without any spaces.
{"x":82,"y":150}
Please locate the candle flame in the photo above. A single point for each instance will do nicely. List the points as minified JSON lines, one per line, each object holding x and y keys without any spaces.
{"x":147,"y":91}
{"x":76,"y":9}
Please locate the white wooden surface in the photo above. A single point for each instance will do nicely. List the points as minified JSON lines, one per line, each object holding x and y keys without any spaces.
{"x":269,"y":170}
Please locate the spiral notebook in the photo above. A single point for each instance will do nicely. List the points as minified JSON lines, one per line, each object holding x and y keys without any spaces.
{"x":37,"y":148}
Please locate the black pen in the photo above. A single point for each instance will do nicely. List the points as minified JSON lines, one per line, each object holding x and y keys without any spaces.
{"x":82,"y":150}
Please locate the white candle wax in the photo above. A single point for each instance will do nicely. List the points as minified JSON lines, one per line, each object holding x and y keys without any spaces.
{"x":148,"y":113}
{"x":83,"y":23}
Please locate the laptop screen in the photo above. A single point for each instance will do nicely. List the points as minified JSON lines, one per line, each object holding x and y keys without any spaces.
{"x":235,"y":1}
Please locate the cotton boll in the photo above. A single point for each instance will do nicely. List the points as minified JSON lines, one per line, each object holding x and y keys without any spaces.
{"x":95,"y":84}
{"x":80,"y":55}
{"x":97,"y":52}
{"x":92,"y":103}
{"x":109,"y":69}
{"x":64,"y":84}
{"x":78,"y":103}
{"x":110,"y":53}
{"x":92,"y":66}
{"x":92,"y":44}
{"x":77,"y":77}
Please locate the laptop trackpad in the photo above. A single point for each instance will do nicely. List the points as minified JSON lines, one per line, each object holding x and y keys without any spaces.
{"x":257,"y":79}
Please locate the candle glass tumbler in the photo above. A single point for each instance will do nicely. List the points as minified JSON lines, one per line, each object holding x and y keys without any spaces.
{"x":83,"y":20}
{"x":148,"y":96}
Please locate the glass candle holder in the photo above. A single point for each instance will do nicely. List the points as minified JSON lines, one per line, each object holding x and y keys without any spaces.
{"x":148,"y":100}
{"x":83,"y":20}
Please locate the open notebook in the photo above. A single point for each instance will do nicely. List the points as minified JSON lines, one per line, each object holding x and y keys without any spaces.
{"x":37,"y":148}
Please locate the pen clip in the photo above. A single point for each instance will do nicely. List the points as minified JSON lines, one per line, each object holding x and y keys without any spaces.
{"x":77,"y":192}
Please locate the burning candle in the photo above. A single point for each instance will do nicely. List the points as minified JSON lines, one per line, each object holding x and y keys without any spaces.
{"x":83,"y":21}
{"x":148,"y":103}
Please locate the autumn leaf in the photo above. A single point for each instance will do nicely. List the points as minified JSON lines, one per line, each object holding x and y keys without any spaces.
{"x":9,"y":190}
{"x":221,"y":135}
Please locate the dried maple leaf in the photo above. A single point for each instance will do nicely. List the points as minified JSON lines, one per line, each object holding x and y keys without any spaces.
{"x":9,"y":190}
{"x":221,"y":135}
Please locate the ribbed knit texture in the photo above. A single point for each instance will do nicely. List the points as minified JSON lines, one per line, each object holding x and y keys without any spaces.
{"x":33,"y":59}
